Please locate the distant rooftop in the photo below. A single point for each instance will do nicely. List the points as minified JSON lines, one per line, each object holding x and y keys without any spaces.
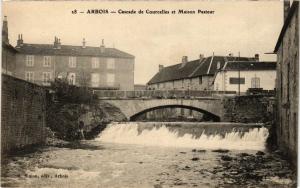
{"x":250,"y":65}
{"x":48,"y":49}
{"x":195,"y":68}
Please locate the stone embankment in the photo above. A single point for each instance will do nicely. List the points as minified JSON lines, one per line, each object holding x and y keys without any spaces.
{"x":249,"y":109}
{"x":63,"y":119}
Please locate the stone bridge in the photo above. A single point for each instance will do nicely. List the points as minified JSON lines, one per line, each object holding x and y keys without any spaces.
{"x":134,"y":103}
{"x":132,"y":108}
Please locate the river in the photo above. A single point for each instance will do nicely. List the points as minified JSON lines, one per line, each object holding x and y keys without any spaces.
{"x":156,"y":156}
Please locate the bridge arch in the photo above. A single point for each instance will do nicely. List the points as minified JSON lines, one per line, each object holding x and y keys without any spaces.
{"x":214,"y":117}
{"x":131,"y":108}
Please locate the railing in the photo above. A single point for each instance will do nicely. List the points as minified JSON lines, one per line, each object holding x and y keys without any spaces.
{"x":159,"y":94}
{"x":108,"y":86}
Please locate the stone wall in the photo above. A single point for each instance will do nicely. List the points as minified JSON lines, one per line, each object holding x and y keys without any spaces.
{"x":23,"y":113}
{"x":287,"y":85}
{"x":248,"y":109}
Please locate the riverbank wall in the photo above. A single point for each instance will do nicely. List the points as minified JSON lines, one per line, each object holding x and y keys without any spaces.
{"x":249,"y":109}
{"x":23,"y":113}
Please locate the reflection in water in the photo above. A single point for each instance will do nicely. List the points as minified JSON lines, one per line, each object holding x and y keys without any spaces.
{"x":108,"y":162}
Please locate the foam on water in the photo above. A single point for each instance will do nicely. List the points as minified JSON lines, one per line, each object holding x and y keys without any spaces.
{"x":128,"y":133}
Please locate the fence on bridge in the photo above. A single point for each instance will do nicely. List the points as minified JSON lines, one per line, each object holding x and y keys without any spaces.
{"x":159,"y":94}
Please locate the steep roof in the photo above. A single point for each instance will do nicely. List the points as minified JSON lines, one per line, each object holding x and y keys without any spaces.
{"x":175,"y":72}
{"x":250,"y":65}
{"x":287,"y":21}
{"x":199,"y":67}
{"x":70,"y":50}
{"x":8,"y":46}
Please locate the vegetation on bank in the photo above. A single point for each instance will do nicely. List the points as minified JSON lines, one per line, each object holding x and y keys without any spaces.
{"x":68,"y":105}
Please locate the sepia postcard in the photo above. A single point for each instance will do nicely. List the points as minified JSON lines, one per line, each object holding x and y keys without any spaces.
{"x":149,"y":94}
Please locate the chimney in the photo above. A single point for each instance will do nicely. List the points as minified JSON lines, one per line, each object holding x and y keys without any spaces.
{"x":5,"y":30}
{"x":201,"y":56}
{"x":286,"y":8}
{"x":20,"y":41}
{"x":58,"y":44}
{"x":83,"y":43}
{"x":102,"y":47}
{"x":256,"y":56}
{"x":184,"y":60}
{"x":160,"y":67}
{"x":55,"y":43}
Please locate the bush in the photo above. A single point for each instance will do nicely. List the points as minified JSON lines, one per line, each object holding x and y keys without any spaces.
{"x":66,"y":93}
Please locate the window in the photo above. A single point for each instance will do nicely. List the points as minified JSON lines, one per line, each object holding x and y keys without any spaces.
{"x":72,"y":62}
{"x":255,"y":82}
{"x":200,"y":80}
{"x":236,"y":80}
{"x":110,"y":63}
{"x":110,"y":79}
{"x":29,"y":60}
{"x":72,"y":78}
{"x":95,"y":62}
{"x":29,"y":76}
{"x":95,"y":78}
{"x":46,"y":78}
{"x":47,"y":61}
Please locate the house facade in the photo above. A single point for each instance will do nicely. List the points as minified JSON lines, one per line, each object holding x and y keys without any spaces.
{"x":287,"y":84}
{"x":199,"y":74}
{"x":240,"y":76}
{"x":95,"y":67}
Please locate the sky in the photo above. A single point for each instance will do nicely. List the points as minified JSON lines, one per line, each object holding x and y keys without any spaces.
{"x":248,"y":27}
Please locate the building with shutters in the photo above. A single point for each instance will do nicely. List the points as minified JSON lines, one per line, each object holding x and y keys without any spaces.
{"x":215,"y":73}
{"x":95,"y":67}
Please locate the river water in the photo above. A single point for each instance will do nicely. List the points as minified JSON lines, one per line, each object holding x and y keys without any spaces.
{"x":156,"y":156}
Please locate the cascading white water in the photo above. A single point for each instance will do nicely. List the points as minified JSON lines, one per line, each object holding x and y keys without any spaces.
{"x":128,"y":133}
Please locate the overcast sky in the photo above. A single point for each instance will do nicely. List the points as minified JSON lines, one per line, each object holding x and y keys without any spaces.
{"x":247,"y":27}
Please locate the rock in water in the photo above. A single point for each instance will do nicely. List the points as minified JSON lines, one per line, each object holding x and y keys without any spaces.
{"x":226,"y":158}
{"x":260,"y":153}
{"x":221,"y":150}
{"x":195,"y":159}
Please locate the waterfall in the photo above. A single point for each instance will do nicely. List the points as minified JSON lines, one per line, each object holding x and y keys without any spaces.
{"x":129,"y":133}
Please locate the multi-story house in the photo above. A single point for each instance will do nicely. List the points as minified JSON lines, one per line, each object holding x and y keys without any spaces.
{"x":8,"y":52}
{"x":96,"y":67}
{"x":287,"y":85}
{"x":199,"y":74}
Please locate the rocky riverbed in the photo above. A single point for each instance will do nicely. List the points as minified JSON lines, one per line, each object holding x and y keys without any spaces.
{"x":96,"y":164}
{"x":262,"y":169}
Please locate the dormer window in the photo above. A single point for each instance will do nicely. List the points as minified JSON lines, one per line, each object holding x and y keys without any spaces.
{"x":72,"y":62}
